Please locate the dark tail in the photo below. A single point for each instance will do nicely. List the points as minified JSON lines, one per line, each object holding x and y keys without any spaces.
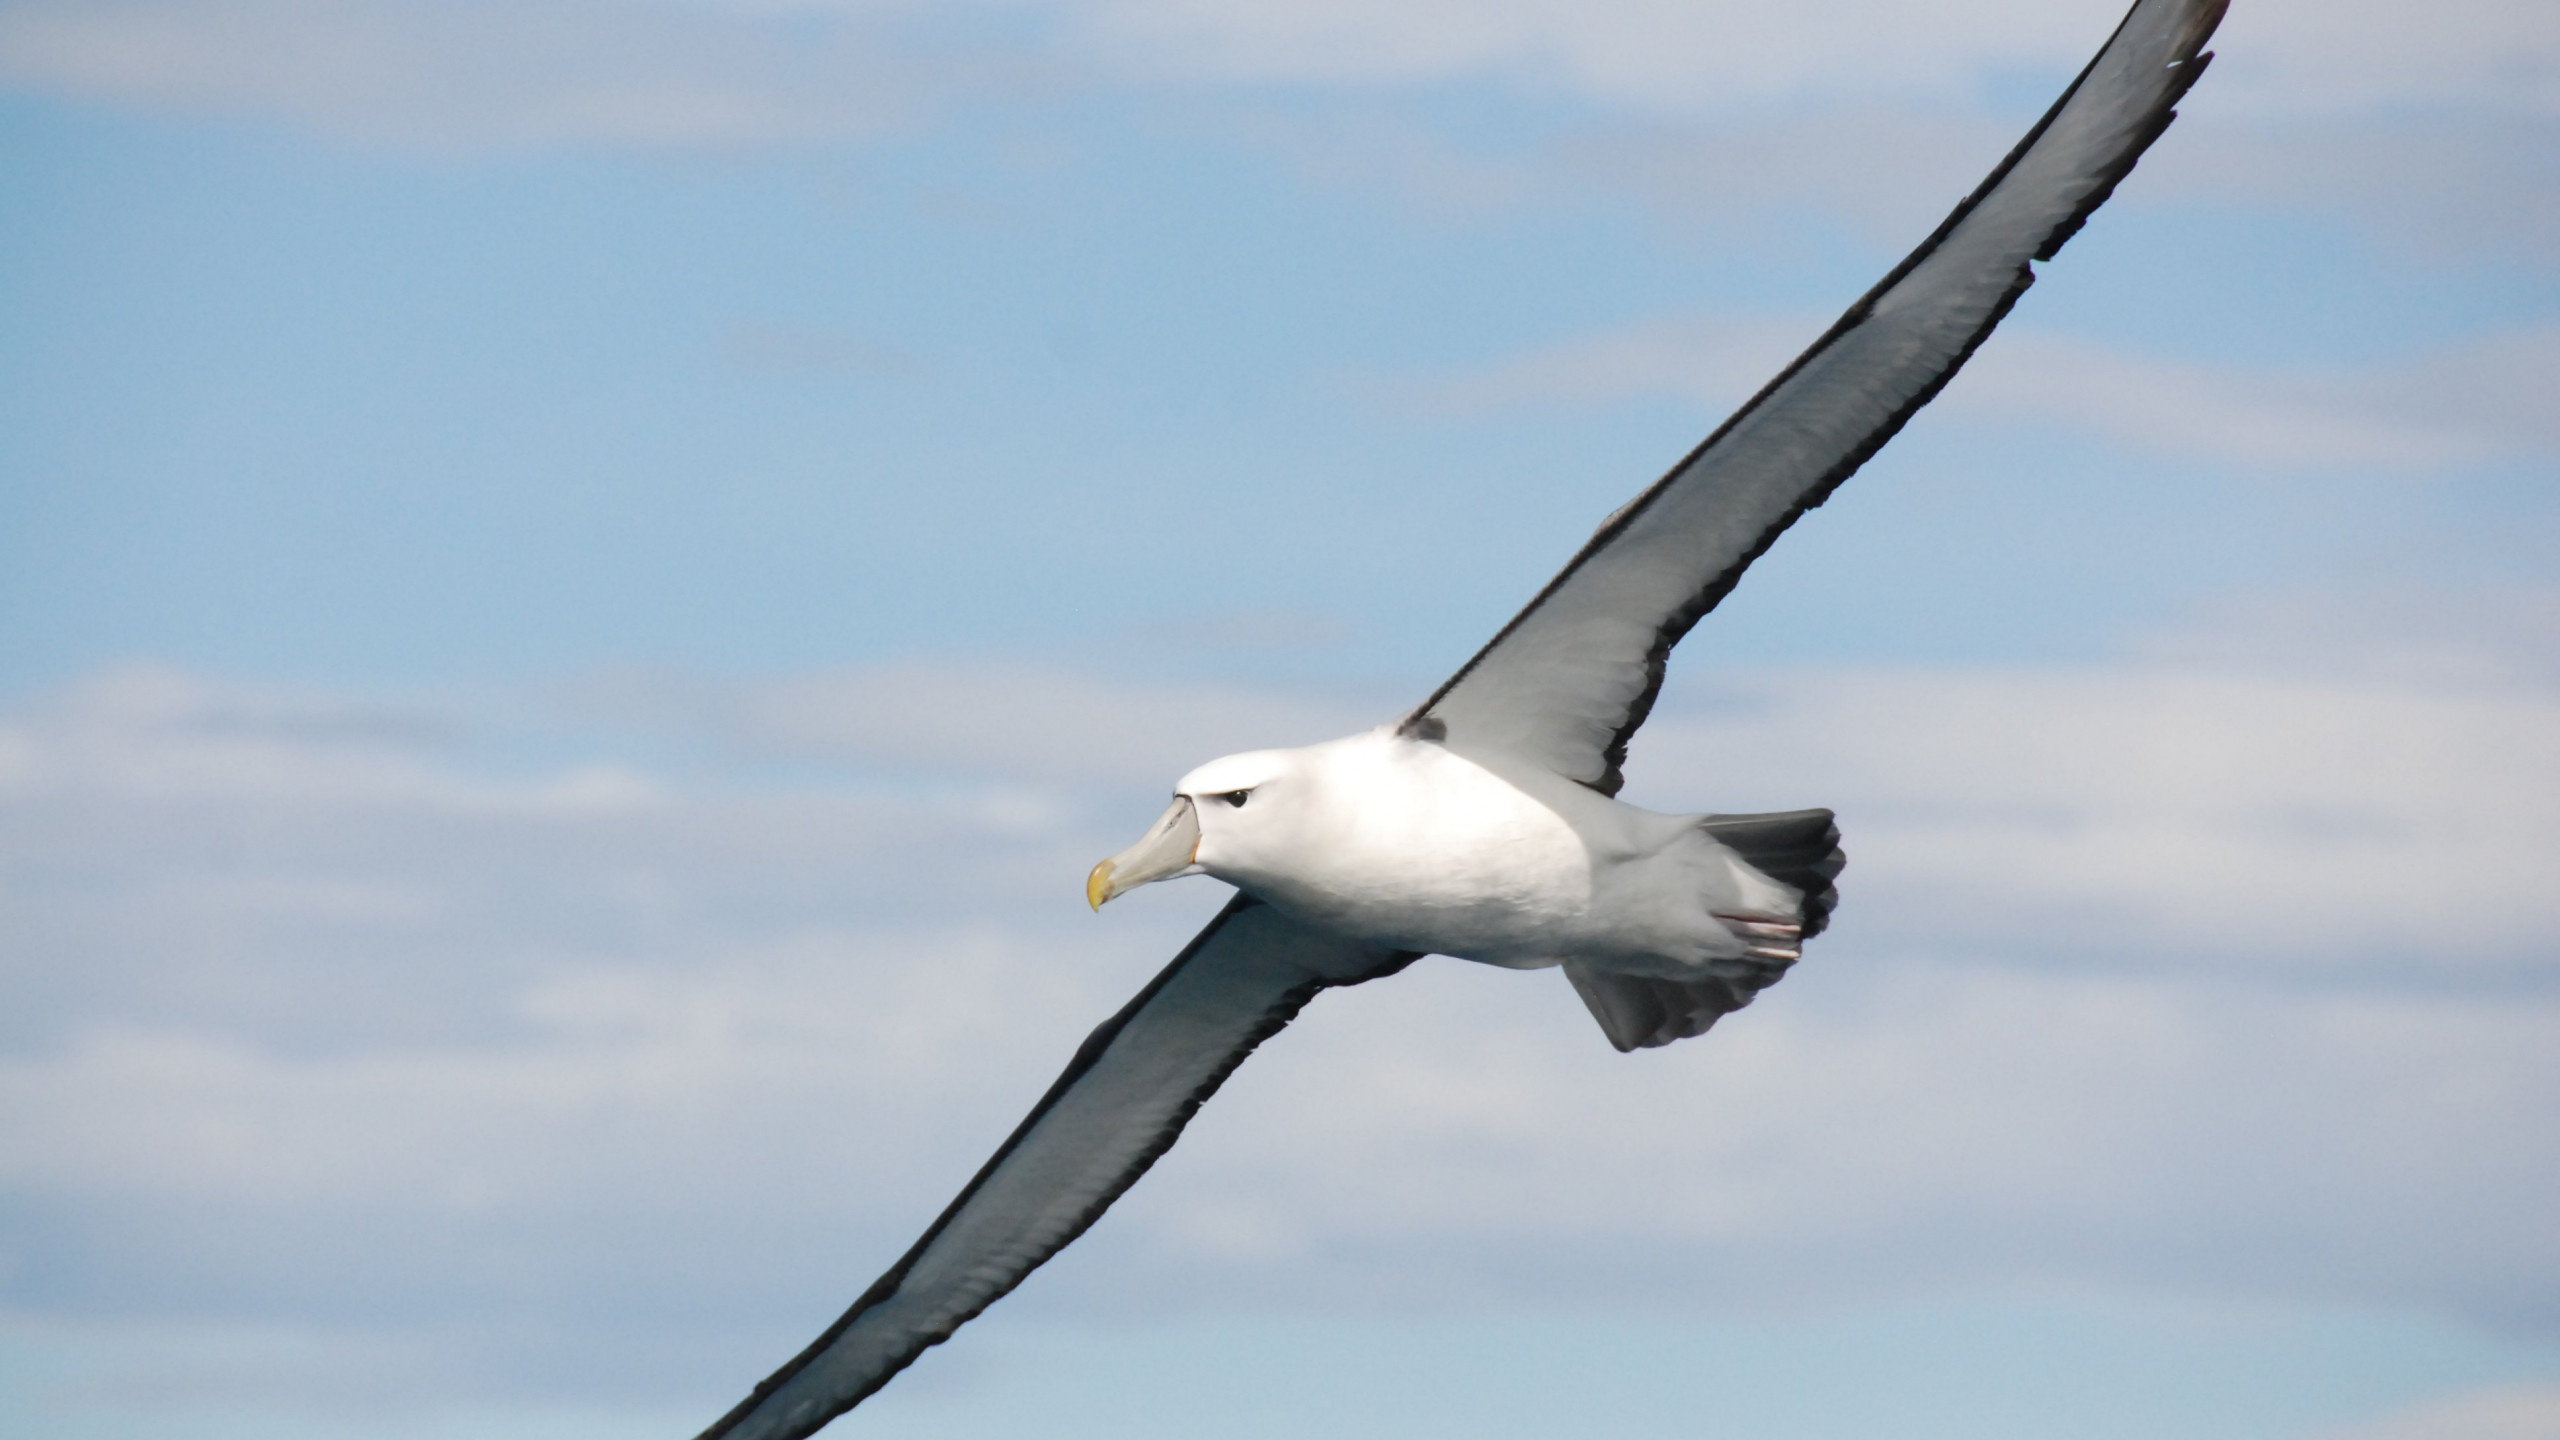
{"x":1800,"y":849}
{"x":1795,"y":847}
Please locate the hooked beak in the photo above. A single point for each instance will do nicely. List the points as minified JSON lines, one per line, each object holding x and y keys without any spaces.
{"x":1170,"y":847}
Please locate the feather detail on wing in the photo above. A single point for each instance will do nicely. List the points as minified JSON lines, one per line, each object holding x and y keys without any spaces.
{"x":1122,"y":1102}
{"x":1567,"y":682}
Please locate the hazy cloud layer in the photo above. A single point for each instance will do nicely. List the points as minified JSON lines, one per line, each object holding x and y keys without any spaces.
{"x":652,"y":72}
{"x":2433,"y":126}
{"x":2507,"y":1412}
{"x":2176,"y":976}
{"x":482,"y":76}
{"x":2293,"y":54}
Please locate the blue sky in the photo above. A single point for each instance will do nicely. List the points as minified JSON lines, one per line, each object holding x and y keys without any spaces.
{"x":580,"y":582}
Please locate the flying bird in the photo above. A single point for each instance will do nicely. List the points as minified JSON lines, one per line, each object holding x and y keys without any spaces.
{"x":1485,"y":824}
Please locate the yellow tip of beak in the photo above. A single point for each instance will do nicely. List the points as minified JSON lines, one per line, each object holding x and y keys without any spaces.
{"x":1097,"y":886}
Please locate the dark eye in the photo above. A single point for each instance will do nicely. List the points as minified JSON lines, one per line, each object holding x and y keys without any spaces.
{"x":1236,"y":797}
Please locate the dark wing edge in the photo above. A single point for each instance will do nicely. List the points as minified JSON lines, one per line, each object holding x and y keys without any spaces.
{"x":2186,"y":61}
{"x":1240,"y":981}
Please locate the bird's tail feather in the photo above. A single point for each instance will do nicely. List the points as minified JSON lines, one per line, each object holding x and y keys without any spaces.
{"x":1641,"y":1011}
{"x":1799,"y":849}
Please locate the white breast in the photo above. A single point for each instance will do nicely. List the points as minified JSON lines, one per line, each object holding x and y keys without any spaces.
{"x":1413,"y":845}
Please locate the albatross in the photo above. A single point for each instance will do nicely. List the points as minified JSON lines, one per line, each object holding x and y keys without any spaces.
{"x":1485,"y":824}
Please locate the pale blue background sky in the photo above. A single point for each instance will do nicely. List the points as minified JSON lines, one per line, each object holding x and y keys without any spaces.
{"x":578,"y":582}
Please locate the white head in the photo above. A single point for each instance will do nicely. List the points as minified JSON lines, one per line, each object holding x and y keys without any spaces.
{"x":1229,"y":818}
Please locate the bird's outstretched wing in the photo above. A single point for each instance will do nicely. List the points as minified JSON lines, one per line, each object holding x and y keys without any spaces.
{"x":1572,"y":676}
{"x":1122,"y":1102}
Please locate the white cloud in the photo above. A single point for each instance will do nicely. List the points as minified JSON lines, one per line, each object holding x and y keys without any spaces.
{"x":716,"y":1082}
{"x":163,"y":736}
{"x":2513,"y":1412}
{"x":2251,"y":821}
{"x":1640,"y":52}
{"x":2457,"y":405}
{"x":2165,"y":978}
{"x":2432,"y":126}
{"x":2334,"y":56}
{"x":2287,"y":55}
{"x":631,"y":72}
{"x":2483,"y":642}
{"x":1892,"y":1127}
{"x":2126,"y":1132}
{"x":2483,"y":398}
{"x":471,"y":76}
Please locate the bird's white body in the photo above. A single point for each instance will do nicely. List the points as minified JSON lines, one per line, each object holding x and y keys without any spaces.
{"x":1411,"y":845}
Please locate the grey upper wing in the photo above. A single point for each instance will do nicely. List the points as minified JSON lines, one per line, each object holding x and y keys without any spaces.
{"x":1572,"y":676}
{"x":1123,"y":1100}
